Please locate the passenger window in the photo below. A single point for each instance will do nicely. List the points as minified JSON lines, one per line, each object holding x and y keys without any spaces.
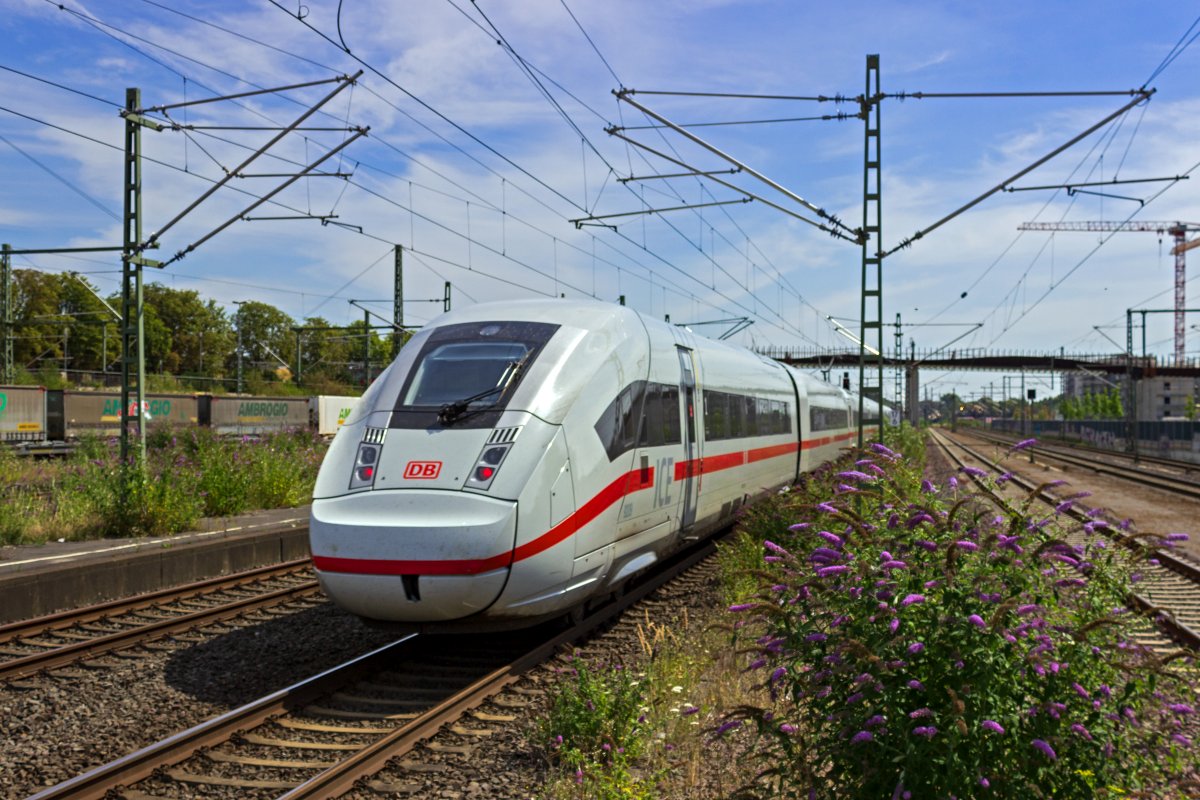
{"x":670,"y":415}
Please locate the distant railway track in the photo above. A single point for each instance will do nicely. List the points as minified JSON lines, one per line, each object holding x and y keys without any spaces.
{"x":1166,"y":474}
{"x":1172,"y":584}
{"x":55,"y":640}
{"x":321,"y":736}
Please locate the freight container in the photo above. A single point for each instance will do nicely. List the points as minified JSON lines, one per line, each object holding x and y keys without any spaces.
{"x":101,"y":413}
{"x":22,"y":413}
{"x":249,"y":416}
{"x":328,"y":412}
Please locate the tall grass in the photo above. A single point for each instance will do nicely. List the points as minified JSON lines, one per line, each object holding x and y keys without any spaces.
{"x":189,"y":473}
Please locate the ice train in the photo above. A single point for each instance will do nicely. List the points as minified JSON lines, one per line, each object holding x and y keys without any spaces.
{"x":519,"y":459}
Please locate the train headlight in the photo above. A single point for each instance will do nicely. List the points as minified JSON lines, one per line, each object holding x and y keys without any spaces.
{"x":365,"y":461}
{"x":487,"y":465}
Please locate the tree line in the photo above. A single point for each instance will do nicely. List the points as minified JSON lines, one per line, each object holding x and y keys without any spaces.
{"x":63,"y":333}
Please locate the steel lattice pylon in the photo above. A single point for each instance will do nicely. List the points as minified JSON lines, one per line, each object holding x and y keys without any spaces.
{"x":870,"y":346}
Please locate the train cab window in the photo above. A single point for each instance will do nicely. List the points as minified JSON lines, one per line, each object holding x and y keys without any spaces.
{"x":644,"y":413}
{"x":477,"y":364}
{"x":618,"y":425}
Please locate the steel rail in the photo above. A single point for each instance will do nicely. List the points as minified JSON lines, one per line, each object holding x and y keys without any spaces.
{"x":120,"y":640}
{"x":339,"y":779}
{"x":336,"y":780}
{"x":1181,"y":486}
{"x":78,"y":616}
{"x":1179,"y":630}
{"x":96,"y":783}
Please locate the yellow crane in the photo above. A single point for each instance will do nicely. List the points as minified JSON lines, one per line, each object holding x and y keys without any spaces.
{"x":1177,"y":230}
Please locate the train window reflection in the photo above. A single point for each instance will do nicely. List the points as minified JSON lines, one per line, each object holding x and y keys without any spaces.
{"x":458,"y":370}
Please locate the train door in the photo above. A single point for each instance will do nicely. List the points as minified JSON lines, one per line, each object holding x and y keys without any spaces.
{"x":688,"y":471}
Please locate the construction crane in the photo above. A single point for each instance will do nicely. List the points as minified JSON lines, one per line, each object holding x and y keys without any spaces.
{"x":1177,"y":230}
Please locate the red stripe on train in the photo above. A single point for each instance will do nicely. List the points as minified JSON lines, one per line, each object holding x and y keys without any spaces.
{"x":628,"y":483}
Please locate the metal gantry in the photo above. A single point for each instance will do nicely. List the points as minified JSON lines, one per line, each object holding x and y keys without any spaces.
{"x":870,"y":339}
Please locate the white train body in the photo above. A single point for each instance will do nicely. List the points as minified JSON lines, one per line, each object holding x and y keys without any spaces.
{"x":599,"y":442}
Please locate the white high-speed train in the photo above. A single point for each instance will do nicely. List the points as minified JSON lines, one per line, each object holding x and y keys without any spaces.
{"x":520,"y":458}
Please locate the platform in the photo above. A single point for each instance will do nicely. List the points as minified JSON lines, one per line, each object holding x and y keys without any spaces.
{"x":40,"y":579}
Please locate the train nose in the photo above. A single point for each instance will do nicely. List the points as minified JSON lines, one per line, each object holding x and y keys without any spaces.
{"x":456,"y":549}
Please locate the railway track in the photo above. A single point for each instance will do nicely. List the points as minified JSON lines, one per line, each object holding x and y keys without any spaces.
{"x":1169,"y":476}
{"x":56,"y":640}
{"x":327,"y":734}
{"x":1167,"y":581}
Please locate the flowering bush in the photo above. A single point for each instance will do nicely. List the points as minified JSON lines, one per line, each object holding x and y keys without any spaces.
{"x":921,"y":643}
{"x":595,"y":730}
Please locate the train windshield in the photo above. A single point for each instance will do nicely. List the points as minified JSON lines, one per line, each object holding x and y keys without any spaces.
{"x":454,"y":371}
{"x":471,"y":366}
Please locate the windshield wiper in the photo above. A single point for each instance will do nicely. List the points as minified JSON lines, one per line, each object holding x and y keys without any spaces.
{"x":451,"y":412}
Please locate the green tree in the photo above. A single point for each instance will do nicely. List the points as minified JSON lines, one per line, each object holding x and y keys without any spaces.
{"x":268,"y":342}
{"x":1189,"y":407}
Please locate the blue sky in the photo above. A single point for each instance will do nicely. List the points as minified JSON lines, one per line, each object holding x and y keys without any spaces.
{"x":469,"y":165}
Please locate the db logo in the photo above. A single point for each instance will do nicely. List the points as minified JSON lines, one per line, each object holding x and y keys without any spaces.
{"x":422,"y":470}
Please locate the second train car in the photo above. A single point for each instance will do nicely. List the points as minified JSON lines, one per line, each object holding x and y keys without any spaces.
{"x":518,"y":459}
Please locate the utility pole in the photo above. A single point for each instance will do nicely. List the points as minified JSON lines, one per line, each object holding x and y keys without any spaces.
{"x":238,"y":320}
{"x":367,"y":348}
{"x":398,"y":302}
{"x":899,"y":387}
{"x":870,"y":369}
{"x":6,"y":310}
{"x":133,"y":334}
{"x":446,"y":297}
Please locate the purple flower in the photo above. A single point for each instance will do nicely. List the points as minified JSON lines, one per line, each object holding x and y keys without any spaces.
{"x":1181,"y":708}
{"x":952,"y":482}
{"x":1045,"y":748}
{"x":774,"y":548}
{"x":991,"y":725}
{"x":1177,"y":537}
{"x":977,"y":621}
{"x":1181,"y":739}
{"x":832,"y":538}
{"x":915,"y":648}
{"x":854,"y":698}
{"x":927,"y":487}
{"x":879,"y":448}
{"x":894,"y":625}
{"x":1021,"y":445}
{"x":984,"y":782}
{"x":788,"y":729}
{"x":853,"y":474}
{"x":974,"y":472}
{"x":827,"y":508}
{"x":815,"y":637}
{"x":912,"y":599}
{"x":826,"y":554}
{"x":837,"y":569}
{"x":862,"y":736}
{"x":920,"y":712}
{"x":728,"y":726}
{"x":1029,"y":608}
{"x":966,"y":544}
{"x":741,"y":606}
{"x":917,"y":685}
{"x":799,"y":526}
{"x":1082,"y":731}
{"x":873,"y":721}
{"x":928,"y":732}
{"x":893,"y":565}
